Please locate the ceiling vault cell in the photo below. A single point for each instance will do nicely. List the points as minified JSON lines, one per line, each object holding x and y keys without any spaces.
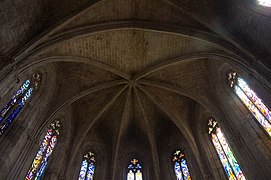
{"x":87,"y":129}
{"x":214,"y":26}
{"x":191,"y":57}
{"x":185,"y":130}
{"x":76,"y":59}
{"x":57,"y":109}
{"x":34,"y":43}
{"x":182,"y":92}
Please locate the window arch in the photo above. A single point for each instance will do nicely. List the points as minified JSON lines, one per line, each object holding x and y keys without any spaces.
{"x":18,"y":101}
{"x":180,"y":166}
{"x":87,"y":167}
{"x":225,"y":154}
{"x":266,"y":3}
{"x":134,"y":171}
{"x":255,"y":105}
{"x":46,"y":148}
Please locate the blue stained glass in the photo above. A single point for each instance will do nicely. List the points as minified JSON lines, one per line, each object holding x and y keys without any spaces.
{"x":7,"y":108}
{"x":185,"y":171}
{"x":87,"y":167}
{"x":19,"y":99}
{"x":23,"y":88}
{"x":134,"y":171}
{"x":90,"y":172}
{"x":83,"y":170}
{"x":9,"y":105}
{"x":181,"y":168}
{"x":178,"y":171}
{"x":138,"y":166}
{"x":16,"y":111}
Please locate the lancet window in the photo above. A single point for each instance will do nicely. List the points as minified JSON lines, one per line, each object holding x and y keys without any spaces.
{"x":46,"y":148}
{"x":180,"y":166}
{"x":134,"y":171}
{"x":225,"y":154}
{"x":254,"y":104}
{"x":18,"y":101}
{"x":87,"y":167}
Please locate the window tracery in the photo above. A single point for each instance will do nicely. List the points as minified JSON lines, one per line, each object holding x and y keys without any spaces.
{"x":134,"y":171}
{"x":87,"y":167}
{"x":18,"y":101}
{"x":254,"y":104}
{"x":46,"y":148}
{"x":225,"y":154}
{"x":180,"y":166}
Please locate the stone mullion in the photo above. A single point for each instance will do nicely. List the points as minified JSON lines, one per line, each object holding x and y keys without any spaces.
{"x":252,"y":103}
{"x":226,"y":156}
{"x":87,"y":170}
{"x":45,"y":151}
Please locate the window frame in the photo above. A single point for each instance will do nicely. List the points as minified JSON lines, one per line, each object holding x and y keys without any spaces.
{"x":245,"y":106}
{"x":229,"y":145}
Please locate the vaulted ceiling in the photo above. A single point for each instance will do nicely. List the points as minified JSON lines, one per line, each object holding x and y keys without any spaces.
{"x":128,"y":70}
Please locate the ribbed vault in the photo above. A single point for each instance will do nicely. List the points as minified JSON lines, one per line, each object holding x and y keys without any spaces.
{"x":127,"y":113}
{"x":128,"y":76}
{"x":121,"y":85}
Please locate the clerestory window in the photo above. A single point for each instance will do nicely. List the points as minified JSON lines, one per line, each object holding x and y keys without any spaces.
{"x":87,"y":167}
{"x":180,"y":166}
{"x":134,"y":171}
{"x":11,"y":110}
{"x":250,"y":99}
{"x":45,"y":151}
{"x":224,"y":152}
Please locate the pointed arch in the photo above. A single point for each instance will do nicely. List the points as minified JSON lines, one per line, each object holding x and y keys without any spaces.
{"x":230,"y":165}
{"x":45,"y":151}
{"x":134,"y":171}
{"x":87,"y":167}
{"x":250,"y":99}
{"x":180,"y":165}
{"x":11,"y":110}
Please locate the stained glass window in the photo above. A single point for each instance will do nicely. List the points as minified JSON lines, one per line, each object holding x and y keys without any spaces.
{"x":46,"y":148}
{"x":180,"y":166}
{"x":255,"y":105}
{"x":266,"y":3}
{"x":225,"y":154}
{"x":87,"y":167}
{"x":17,"y":102}
{"x":134,"y":171}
